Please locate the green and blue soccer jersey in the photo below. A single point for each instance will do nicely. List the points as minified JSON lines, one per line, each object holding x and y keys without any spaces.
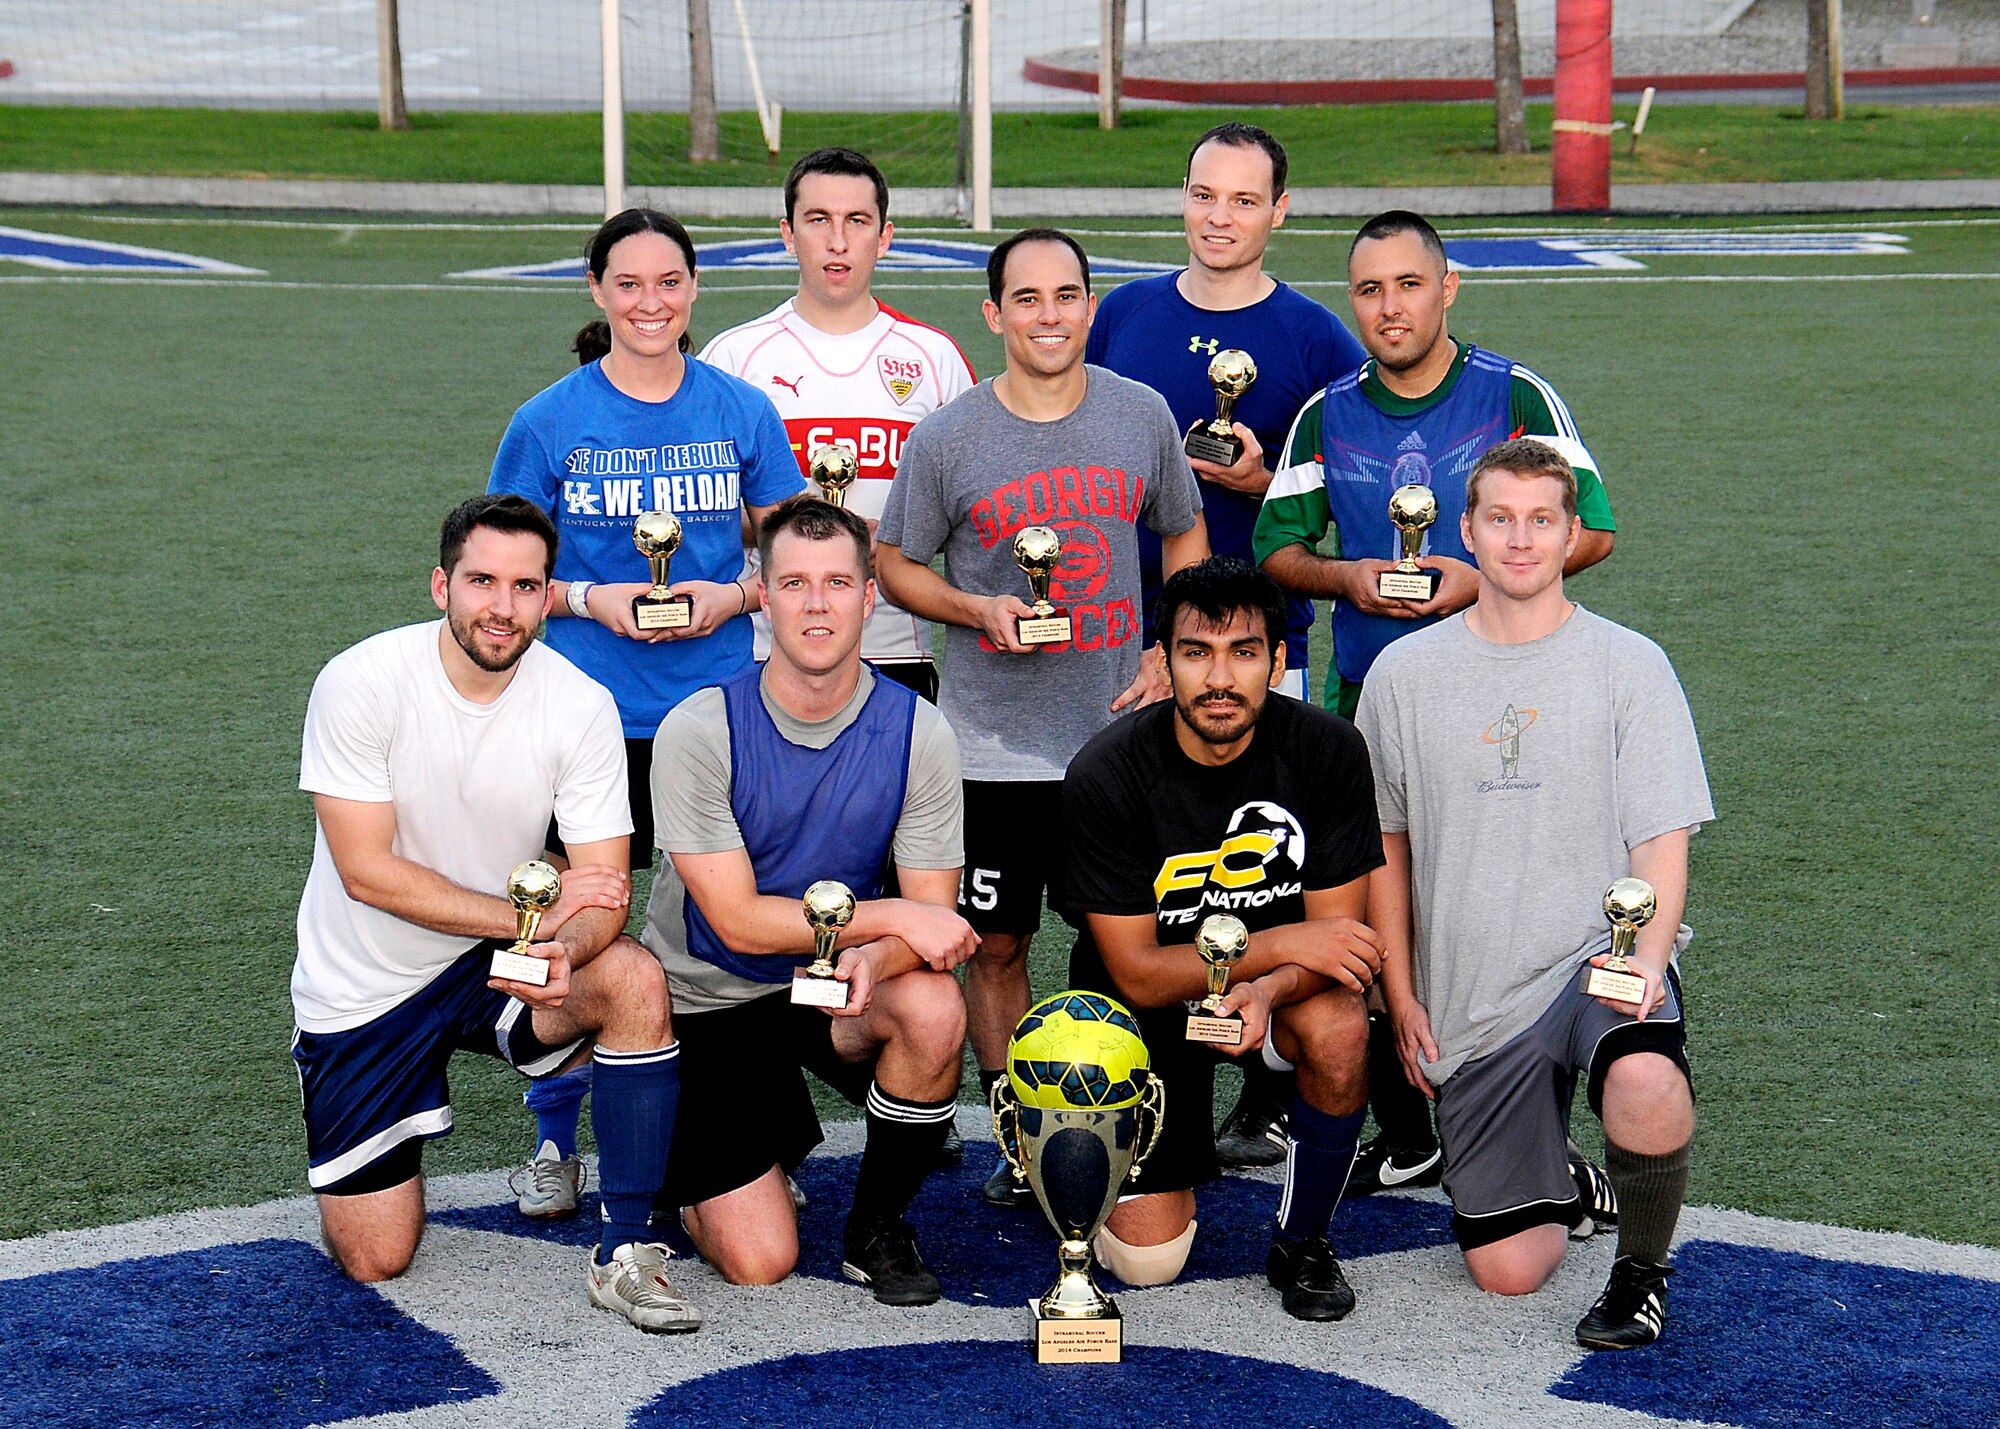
{"x":1356,"y":442}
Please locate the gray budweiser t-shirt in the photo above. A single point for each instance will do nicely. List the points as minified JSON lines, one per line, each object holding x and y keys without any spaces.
{"x":692,"y":814}
{"x":971,"y":476}
{"x":1524,"y":775}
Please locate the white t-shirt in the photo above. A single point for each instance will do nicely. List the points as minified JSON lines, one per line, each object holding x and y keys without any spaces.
{"x":473,"y":787}
{"x":864,"y":390}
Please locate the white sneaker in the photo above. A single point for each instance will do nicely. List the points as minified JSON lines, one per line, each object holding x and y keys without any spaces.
{"x":548,"y":1186}
{"x":635,"y":1285}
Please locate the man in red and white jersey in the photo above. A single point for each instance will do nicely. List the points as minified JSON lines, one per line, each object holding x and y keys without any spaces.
{"x":842,"y":367}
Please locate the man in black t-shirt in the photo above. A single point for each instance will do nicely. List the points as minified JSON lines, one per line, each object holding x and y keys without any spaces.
{"x":1229,"y":801}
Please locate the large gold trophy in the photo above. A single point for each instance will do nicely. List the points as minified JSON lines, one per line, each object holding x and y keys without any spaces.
{"x":533,"y":889}
{"x":1076,"y":1116}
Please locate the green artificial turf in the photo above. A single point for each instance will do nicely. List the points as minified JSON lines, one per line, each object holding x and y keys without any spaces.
{"x":214,"y":488}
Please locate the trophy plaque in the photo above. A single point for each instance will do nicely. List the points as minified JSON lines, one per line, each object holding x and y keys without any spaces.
{"x":533,"y":889}
{"x":833,"y":468}
{"x":1230,"y":374}
{"x":1414,"y":510}
{"x":657,"y":534}
{"x":1630,"y":905}
{"x":1222,"y":942}
{"x":1037,"y":551}
{"x":829,"y":908}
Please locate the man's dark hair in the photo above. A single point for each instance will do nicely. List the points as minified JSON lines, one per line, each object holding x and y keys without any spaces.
{"x":846,"y":163}
{"x":1215,"y":589}
{"x":1238,"y":135}
{"x":810,"y":518}
{"x":495,"y":513}
{"x":996,"y":261}
{"x":597,"y":252}
{"x":1400,"y":220}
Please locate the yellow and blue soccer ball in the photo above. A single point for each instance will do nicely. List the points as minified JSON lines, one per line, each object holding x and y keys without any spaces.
{"x":1077,"y":1051}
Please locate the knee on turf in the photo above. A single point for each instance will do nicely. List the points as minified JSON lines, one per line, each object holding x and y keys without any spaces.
{"x":1140,"y":1265}
{"x":1519,"y":1265}
{"x":368,"y":1264}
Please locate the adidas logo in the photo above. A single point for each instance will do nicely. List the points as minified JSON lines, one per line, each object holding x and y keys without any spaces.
{"x":1412,"y":443}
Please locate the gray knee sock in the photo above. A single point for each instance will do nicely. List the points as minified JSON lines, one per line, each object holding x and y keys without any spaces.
{"x":1650,"y":1192}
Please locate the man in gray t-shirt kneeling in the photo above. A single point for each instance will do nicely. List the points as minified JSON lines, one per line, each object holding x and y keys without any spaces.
{"x":1527,"y":754}
{"x":805,"y":769}
{"x":1049,"y":442}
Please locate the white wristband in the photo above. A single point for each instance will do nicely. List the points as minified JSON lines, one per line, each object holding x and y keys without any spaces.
{"x":577,"y":597}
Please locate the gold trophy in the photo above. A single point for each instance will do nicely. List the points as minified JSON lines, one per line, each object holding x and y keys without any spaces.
{"x":533,"y":889}
{"x":1078,"y":1159}
{"x":1630,"y":904}
{"x":1222,"y":942}
{"x":834,"y":468}
{"x":657,"y":534}
{"x":1230,"y":374}
{"x":829,"y":908}
{"x":1414,"y":510}
{"x":1038,"y":551}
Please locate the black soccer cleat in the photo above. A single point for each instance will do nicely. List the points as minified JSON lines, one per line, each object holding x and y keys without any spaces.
{"x":1631,"y":1311}
{"x":883,"y":1255}
{"x":1596,"y":1198}
{"x":1308,"y":1274}
{"x":952,"y":1150}
{"x":1253,"y":1134}
{"x":1381,"y":1167}
{"x":1003,"y":1189}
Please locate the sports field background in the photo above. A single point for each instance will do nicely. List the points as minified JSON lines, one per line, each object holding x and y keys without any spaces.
{"x":216,"y":484}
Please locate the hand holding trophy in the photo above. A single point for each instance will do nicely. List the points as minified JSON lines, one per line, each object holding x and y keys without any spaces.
{"x":533,"y":889}
{"x":657,"y":534}
{"x":1413,"y":510}
{"x":1222,"y":941}
{"x":833,"y":468}
{"x":1076,"y":1115}
{"x":829,"y":908}
{"x":1230,"y":374}
{"x":1630,"y":904}
{"x":1038,"y":551}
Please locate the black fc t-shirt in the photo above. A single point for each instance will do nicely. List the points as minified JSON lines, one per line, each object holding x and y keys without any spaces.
{"x":1151,"y":831}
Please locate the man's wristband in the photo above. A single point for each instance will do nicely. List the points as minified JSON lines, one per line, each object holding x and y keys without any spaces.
{"x":743,"y":591}
{"x":578,"y":597}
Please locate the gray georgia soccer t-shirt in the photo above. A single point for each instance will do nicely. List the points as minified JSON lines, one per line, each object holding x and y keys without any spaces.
{"x":692,"y":814}
{"x":1523,"y":774}
{"x":972,"y":475}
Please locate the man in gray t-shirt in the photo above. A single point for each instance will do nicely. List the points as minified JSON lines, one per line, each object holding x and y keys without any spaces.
{"x":1049,"y":442}
{"x":1527,"y":753}
{"x":803,"y":770}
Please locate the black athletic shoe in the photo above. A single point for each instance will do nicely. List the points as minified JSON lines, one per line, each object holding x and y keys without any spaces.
{"x":953,"y":1150}
{"x":1597,"y":1198}
{"x":1386,"y":1168}
{"x":1631,"y":1311}
{"x":1001,"y":1189}
{"x":883,"y":1255}
{"x":1253,"y":1134}
{"x":1308,"y":1273}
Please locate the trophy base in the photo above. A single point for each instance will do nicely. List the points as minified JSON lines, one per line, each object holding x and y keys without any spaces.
{"x":676,"y":612}
{"x":1204,"y":445}
{"x":810,"y":991}
{"x":1616,"y":986}
{"x":521,"y":967}
{"x":1045,"y":629}
{"x":1418,"y":585}
{"x":1215,"y":1031}
{"x":1061,"y":1341}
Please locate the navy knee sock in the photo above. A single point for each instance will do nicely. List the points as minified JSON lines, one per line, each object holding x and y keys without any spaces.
{"x":637,"y":1094}
{"x":557,"y":1103}
{"x":1322,"y":1153}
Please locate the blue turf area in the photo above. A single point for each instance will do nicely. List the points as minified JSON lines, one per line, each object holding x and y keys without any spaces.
{"x":1767,"y":1338}
{"x":265,"y":1334}
{"x":969,"y":1382}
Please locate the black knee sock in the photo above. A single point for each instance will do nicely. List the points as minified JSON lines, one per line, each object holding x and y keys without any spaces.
{"x":1402,"y":1113}
{"x":1650,"y":1191}
{"x":1265,"y":1092}
{"x":902,"y":1146}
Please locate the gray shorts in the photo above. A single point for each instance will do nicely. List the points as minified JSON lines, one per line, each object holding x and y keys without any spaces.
{"x":1504,"y":1119}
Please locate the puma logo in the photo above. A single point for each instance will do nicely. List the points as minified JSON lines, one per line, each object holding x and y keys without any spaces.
{"x":777,"y":381}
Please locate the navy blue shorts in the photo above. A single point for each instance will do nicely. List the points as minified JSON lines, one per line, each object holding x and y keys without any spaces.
{"x":374,"y":1092}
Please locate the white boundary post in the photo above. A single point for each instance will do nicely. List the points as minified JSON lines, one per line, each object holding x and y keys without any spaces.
{"x":614,"y":108}
{"x":982,"y":115}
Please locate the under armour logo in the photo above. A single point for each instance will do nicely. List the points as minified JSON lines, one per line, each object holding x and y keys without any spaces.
{"x":777,"y":381}
{"x":1195,"y":345}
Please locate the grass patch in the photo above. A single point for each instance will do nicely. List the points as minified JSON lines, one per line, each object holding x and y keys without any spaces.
{"x":1366,"y":145}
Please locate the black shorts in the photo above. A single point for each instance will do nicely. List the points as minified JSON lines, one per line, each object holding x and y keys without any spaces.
{"x":1013,"y":850}
{"x":918,"y":675}
{"x":745,"y":1106}
{"x":639,"y":791}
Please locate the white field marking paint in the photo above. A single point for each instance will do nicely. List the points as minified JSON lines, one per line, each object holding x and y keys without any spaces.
{"x":524,"y":1320}
{"x":63,"y":253}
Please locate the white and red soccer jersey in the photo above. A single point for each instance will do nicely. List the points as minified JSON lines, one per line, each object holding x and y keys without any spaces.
{"x":864,"y":390}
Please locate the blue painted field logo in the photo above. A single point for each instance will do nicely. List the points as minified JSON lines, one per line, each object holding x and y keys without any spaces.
{"x":62,"y":254}
{"x":1618,"y":251}
{"x":768,"y":255}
